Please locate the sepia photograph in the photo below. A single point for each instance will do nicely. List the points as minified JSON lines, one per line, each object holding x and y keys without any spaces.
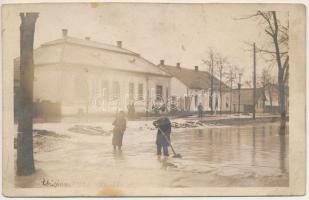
{"x":153,"y":99}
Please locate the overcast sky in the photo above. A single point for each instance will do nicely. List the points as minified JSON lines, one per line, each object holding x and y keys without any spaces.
{"x":173,"y":32}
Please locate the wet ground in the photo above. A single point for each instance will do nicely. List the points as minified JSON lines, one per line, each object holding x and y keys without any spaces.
{"x":212,"y":156}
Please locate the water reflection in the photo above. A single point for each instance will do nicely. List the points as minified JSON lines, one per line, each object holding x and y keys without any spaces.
{"x":118,"y":155}
{"x":282,"y":150}
{"x":260,"y":150}
{"x":253,"y":146}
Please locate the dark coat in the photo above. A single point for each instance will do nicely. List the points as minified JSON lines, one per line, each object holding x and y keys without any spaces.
{"x":200,"y":109}
{"x":120,"y":125}
{"x":165,"y":125}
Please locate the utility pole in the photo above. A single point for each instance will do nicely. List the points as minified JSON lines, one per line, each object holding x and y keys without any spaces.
{"x":212,"y":85}
{"x":147,"y":97}
{"x":231,"y":92}
{"x":239,"y":87}
{"x":220,"y":86}
{"x":254,"y":80}
{"x":25,"y":161}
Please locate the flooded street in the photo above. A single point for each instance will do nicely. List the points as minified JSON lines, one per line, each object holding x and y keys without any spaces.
{"x":235,"y":154}
{"x":212,"y":156}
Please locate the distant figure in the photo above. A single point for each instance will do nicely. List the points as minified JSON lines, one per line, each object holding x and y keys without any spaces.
{"x":173,"y":109}
{"x":131,"y":111}
{"x":120,"y":125}
{"x":200,"y":110}
{"x":155,"y":109}
{"x":162,"y":108}
{"x":216,"y":105}
{"x":164,"y":125}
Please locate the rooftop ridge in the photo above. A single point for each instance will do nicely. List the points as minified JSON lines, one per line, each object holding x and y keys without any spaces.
{"x":91,"y":44}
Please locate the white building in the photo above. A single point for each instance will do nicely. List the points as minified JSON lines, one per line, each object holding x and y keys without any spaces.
{"x":84,"y":76}
{"x":189,"y":87}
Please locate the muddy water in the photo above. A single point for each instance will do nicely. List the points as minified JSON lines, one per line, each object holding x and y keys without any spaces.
{"x":257,"y":153}
{"x":213,"y":156}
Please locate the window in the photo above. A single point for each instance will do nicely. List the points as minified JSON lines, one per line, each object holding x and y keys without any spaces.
{"x":104,"y":87}
{"x":140,"y":91}
{"x":159,"y":90}
{"x":116,"y":90}
{"x":131,"y":90}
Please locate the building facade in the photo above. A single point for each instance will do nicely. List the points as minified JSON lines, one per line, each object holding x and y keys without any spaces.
{"x":242,"y":100}
{"x":191,"y":87}
{"x":84,"y":76}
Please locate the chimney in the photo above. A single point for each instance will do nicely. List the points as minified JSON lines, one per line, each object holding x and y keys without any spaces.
{"x":161,"y":62}
{"x":178,"y":65}
{"x":119,"y":44}
{"x":87,"y":38}
{"x":196,"y":68}
{"x":64,"y":33}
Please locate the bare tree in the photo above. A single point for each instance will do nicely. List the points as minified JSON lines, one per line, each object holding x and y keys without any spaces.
{"x":222,"y":62}
{"x":211,"y":61}
{"x":267,"y":82}
{"x":25,"y":161}
{"x":279,"y":37}
{"x":231,"y":77}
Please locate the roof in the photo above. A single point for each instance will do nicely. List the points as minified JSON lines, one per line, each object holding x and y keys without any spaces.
{"x":193,"y":79}
{"x":246,"y":95}
{"x":69,"y":50}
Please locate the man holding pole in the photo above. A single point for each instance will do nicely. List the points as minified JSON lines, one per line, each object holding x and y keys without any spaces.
{"x":163,"y":135}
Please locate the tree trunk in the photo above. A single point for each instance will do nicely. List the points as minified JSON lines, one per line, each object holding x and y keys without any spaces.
{"x":231,"y":93}
{"x":25,"y":162}
{"x":281,"y":70}
{"x":270,"y":99}
{"x":282,"y":100}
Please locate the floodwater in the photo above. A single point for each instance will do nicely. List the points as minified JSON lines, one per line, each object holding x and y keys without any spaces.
{"x":213,"y":156}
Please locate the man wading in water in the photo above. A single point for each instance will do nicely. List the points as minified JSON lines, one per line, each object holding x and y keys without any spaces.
{"x":163,"y":124}
{"x":120,"y":125}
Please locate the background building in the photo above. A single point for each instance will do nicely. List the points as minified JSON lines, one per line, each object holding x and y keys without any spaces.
{"x":189,"y":87}
{"x":85,"y":76}
{"x":245,"y":95}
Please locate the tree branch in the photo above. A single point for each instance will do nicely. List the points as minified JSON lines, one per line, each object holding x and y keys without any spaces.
{"x":271,"y":52}
{"x":269,"y":33}
{"x":247,"y":17}
{"x":267,"y":20}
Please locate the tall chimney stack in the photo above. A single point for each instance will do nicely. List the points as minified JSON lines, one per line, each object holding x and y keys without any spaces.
{"x":119,"y":44}
{"x":161,"y":62}
{"x":196,"y":68}
{"x":64,"y":33}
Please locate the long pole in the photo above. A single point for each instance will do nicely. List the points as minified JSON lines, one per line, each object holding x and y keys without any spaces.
{"x":231,"y":74}
{"x":239,"y":87}
{"x":147,"y":97}
{"x":167,"y":140}
{"x":254,"y":81}
{"x":211,"y":85}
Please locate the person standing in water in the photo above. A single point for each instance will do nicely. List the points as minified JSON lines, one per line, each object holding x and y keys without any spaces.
{"x":120,"y":125}
{"x":163,"y":139}
{"x":200,"y":110}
